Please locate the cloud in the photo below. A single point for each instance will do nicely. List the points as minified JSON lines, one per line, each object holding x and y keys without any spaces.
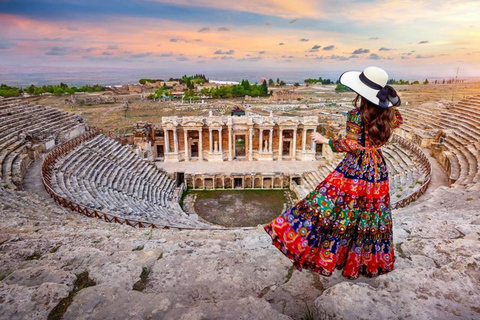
{"x":201,"y":61}
{"x":405,"y":58}
{"x":164,"y":55}
{"x":5,"y":44}
{"x":224,"y":52}
{"x":332,"y":57}
{"x":57,"y":51}
{"x":360,"y":51}
{"x":423,"y":42}
{"x":251,"y":59}
{"x":268,"y":23}
{"x":227,"y":58}
{"x":141,"y":55}
{"x":182,"y":59}
{"x":184,"y":40}
{"x":374,"y":56}
{"x":373,"y":38}
{"x":262,"y":52}
{"x":328,"y":48}
{"x":353,"y":56}
{"x":112,"y":47}
{"x":223,"y":29}
{"x":293,"y":21}
{"x":420,"y":56}
{"x":90,"y":49}
{"x":384,"y":49}
{"x":335,"y":57}
{"x":106,"y":53}
{"x":281,"y":44}
{"x":56,"y":39}
{"x":205,"y":29}
{"x":69,"y":28}
{"x":303,"y":40}
{"x":287,"y":57}
{"x":316,"y":47}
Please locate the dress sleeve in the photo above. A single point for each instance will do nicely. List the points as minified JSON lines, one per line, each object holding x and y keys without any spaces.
{"x":398,"y":119}
{"x":349,"y":143}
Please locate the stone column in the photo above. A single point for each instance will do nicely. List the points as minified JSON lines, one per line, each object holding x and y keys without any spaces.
{"x":250,"y":144}
{"x":230,"y":157}
{"x":260,"y":142}
{"x":200,"y":150}
{"x":185,"y":133}
{"x":220,"y":141}
{"x":294,"y":143}
{"x":304,"y":140}
{"x":280,"y":145}
{"x":270,"y":142}
{"x":312,"y":144}
{"x":165,"y":135}
{"x":175,"y":140}
{"x":211,"y":140}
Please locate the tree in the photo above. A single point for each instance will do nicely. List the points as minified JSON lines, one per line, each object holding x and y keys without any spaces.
{"x":282,"y":83}
{"x":426,"y":81}
{"x":246,"y":85}
{"x":264,"y":88}
{"x":58,"y":91}
{"x":340,"y":88}
{"x":271,"y":83}
{"x":296,"y":84}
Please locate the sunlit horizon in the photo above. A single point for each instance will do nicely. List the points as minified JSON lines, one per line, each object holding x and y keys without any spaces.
{"x":409,"y":39}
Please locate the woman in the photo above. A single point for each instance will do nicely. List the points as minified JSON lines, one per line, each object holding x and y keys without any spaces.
{"x":346,"y":223}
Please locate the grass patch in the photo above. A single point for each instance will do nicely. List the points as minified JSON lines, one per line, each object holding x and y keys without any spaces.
{"x":308,"y":313}
{"x":141,"y":284}
{"x":161,"y":255}
{"x":139,"y":248}
{"x":5,"y":274}
{"x":398,"y":248}
{"x":82,"y":282}
{"x":35,"y":256}
{"x":289,"y":274}
{"x":55,"y":249}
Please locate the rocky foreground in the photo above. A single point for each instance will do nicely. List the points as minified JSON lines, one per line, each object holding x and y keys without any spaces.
{"x":56,"y":264}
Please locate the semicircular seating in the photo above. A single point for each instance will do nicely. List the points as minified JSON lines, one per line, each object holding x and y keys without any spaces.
{"x":459,"y":123}
{"x":103,"y":175}
{"x":26,"y":130}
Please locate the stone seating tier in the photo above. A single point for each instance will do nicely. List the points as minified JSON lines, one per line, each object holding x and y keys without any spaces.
{"x":18,"y":120}
{"x":104,"y":175}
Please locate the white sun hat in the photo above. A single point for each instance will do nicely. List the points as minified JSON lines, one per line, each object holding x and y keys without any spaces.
{"x":372,"y":85}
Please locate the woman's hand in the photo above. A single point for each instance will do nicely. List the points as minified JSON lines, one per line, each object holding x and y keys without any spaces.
{"x":318,"y":138}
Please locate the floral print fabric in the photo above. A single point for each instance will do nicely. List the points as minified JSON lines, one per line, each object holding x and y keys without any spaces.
{"x":345,"y":222}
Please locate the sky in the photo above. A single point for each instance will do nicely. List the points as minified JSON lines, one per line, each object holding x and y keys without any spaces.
{"x":409,"y":38}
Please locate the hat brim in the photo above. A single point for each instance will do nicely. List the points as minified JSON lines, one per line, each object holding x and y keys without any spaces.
{"x":352,"y":80}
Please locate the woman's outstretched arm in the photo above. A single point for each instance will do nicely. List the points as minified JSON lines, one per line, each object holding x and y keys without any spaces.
{"x":349,"y":143}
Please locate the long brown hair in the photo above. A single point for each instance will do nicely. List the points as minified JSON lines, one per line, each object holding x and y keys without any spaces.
{"x":378,"y":121}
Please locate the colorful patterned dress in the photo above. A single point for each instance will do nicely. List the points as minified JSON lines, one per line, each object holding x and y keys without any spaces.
{"x":346,"y":221}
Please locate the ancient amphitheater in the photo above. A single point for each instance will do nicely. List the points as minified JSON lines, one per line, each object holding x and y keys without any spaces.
{"x":62,"y":182}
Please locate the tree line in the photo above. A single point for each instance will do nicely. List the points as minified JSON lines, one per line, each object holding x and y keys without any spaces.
{"x":60,"y":89}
